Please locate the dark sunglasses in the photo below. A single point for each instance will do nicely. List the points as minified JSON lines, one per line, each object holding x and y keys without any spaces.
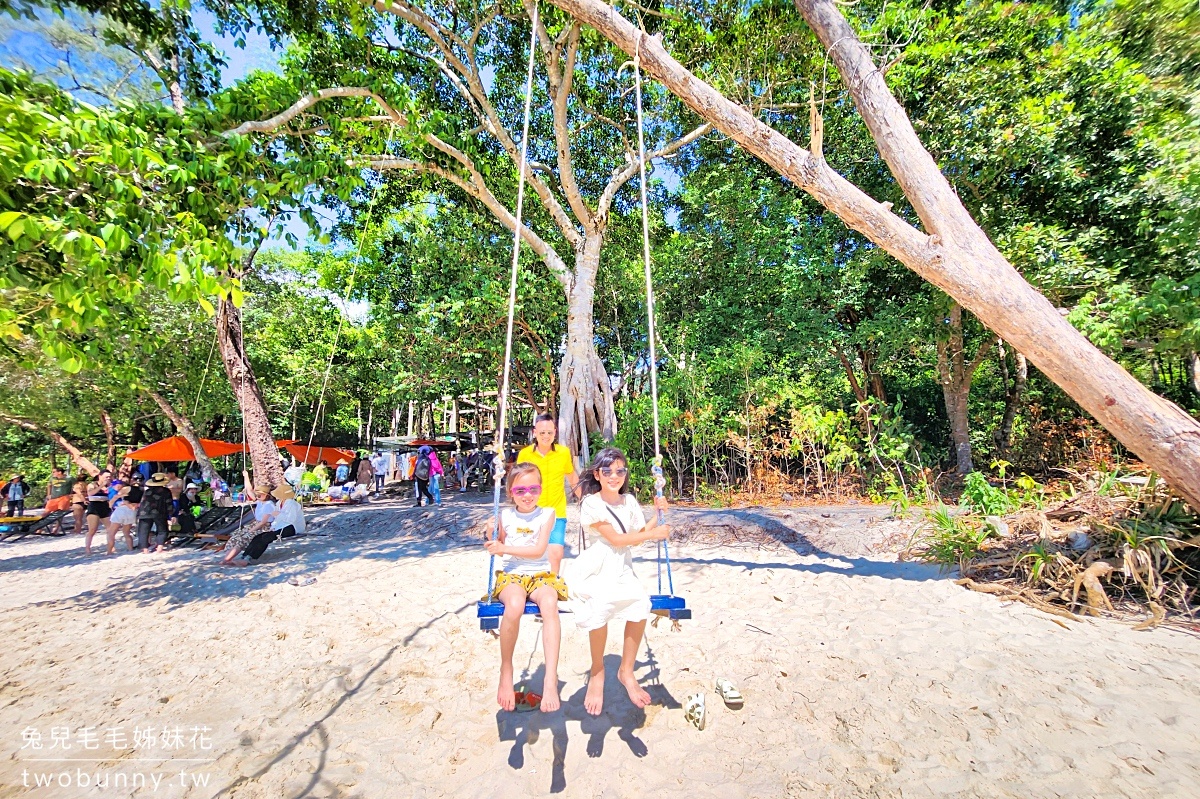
{"x":526,"y":491}
{"x":607,"y":472}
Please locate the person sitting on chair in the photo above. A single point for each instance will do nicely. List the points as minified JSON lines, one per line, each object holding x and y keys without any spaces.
{"x":58,"y":492}
{"x":188,"y":503}
{"x":286,"y":522}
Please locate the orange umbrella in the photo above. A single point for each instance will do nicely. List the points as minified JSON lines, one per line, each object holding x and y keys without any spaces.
{"x":314,"y":454}
{"x":176,"y":448}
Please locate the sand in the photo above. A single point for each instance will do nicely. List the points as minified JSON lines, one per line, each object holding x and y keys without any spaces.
{"x":863,"y":677}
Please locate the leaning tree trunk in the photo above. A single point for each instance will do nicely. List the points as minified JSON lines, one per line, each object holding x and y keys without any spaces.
{"x":188,"y":431}
{"x":585,"y":393}
{"x":82,"y":461}
{"x":954,"y":253}
{"x":264,"y":455}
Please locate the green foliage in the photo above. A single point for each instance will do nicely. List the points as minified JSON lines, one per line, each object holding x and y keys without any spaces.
{"x":950,"y":539}
{"x":982,"y":497}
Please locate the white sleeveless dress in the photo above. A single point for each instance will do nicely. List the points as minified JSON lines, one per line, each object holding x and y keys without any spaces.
{"x":603,"y":585}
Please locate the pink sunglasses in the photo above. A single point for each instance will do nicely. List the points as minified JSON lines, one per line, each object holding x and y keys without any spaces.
{"x":527,"y":491}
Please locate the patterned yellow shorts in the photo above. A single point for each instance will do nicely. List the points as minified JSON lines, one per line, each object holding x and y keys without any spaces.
{"x":530,"y":582}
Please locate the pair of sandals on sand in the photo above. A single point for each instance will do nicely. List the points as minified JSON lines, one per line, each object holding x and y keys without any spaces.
{"x":695,"y":711}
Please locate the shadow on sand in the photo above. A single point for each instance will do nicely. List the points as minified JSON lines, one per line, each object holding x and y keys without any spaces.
{"x":390,"y":531}
{"x":526,"y":728}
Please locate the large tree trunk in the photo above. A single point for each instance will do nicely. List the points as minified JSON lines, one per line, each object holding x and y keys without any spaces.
{"x":955,"y":254}
{"x":955,"y":375}
{"x":81,"y":460}
{"x":264,"y":455}
{"x":1014,"y":393}
{"x":188,"y":431}
{"x":585,"y":394}
{"x":868,"y":358}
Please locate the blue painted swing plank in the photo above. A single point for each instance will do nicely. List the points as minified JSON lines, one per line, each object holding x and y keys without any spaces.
{"x":673,"y":607}
{"x":489,"y":613}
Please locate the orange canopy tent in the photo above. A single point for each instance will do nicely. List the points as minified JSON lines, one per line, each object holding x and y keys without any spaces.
{"x":176,"y":448}
{"x":314,"y":454}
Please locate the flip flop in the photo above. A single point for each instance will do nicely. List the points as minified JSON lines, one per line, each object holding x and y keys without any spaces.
{"x":527,"y":701}
{"x":730,"y":695}
{"x":694,"y":711}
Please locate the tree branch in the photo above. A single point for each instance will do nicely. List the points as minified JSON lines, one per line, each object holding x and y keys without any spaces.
{"x":623,"y":176}
{"x":560,"y":56}
{"x":477,"y":188}
{"x":468,"y":72}
{"x":306,"y":102}
{"x":979,"y":358}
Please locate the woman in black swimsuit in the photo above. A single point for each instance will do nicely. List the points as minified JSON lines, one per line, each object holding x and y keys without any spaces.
{"x":98,"y":508}
{"x":79,"y":503}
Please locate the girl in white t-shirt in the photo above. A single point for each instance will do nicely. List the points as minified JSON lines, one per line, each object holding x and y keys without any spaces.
{"x":604,"y":586}
{"x":525,"y":573}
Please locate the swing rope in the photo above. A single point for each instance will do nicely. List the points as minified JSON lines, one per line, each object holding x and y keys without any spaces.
{"x":512,"y":304}
{"x":660,"y":481}
{"x":204,"y":378}
{"x":349,"y":287}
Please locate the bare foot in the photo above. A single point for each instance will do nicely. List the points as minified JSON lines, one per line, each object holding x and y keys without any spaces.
{"x":593,"y":701}
{"x":637,"y":694}
{"x":550,"y":701}
{"x":505,"y":696}
{"x":111,"y":552}
{"x":160,"y":548}
{"x":87,"y":551}
{"x":238,"y":562}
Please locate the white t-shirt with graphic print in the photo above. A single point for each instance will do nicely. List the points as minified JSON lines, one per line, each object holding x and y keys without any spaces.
{"x":521,"y":530}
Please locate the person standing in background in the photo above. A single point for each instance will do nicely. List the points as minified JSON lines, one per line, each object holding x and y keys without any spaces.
{"x":366,"y":473}
{"x":558,"y":471}
{"x":437,"y":476}
{"x":422,"y":472}
{"x":98,"y":507}
{"x":379,"y":463}
{"x":79,"y":502}
{"x":15,"y":491}
{"x":153,"y":511}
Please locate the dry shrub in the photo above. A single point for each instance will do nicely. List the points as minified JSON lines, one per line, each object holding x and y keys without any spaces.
{"x":1120,"y":545}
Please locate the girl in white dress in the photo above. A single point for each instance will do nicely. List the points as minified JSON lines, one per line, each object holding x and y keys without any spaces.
{"x":604,"y":586}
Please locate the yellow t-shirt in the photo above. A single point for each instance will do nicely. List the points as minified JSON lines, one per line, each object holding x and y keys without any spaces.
{"x":554,"y":467}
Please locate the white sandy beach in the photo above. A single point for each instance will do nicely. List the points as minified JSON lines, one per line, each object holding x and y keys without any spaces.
{"x":862,"y":677}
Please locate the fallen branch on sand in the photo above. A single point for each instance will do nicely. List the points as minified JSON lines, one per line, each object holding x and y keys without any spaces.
{"x":1019,"y":595}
